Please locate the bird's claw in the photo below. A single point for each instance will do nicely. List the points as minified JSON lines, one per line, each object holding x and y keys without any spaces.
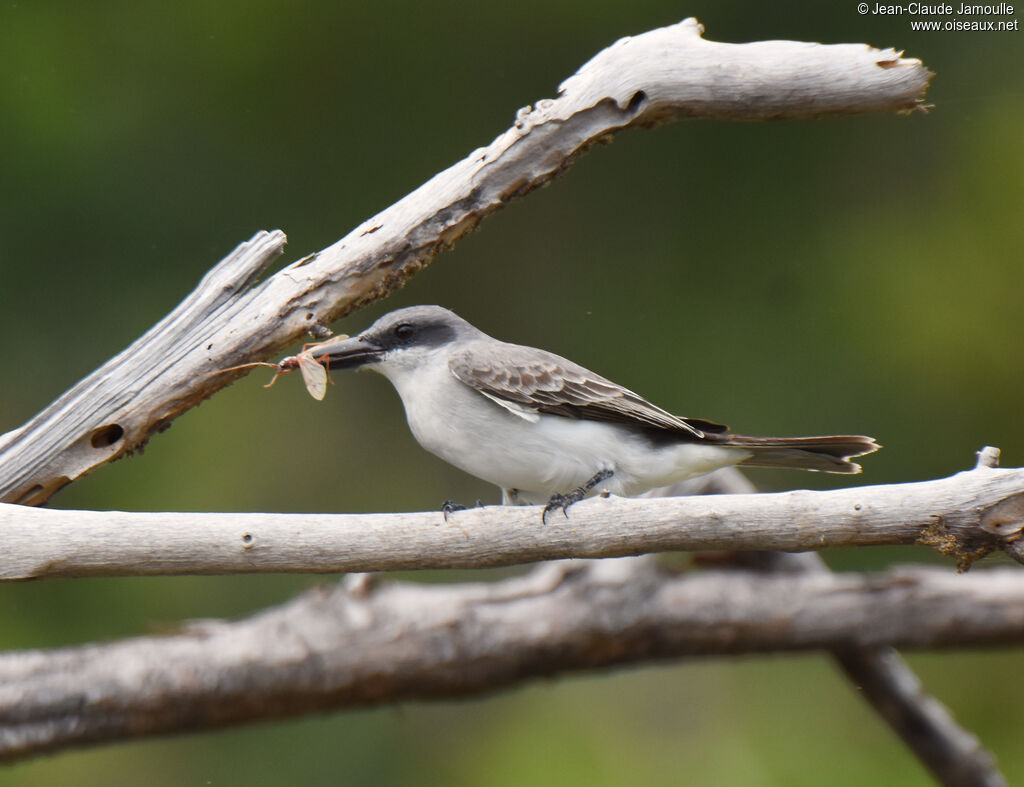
{"x":450,"y":507}
{"x":559,"y":500}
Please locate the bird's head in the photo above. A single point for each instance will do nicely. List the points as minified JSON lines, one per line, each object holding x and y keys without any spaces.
{"x":402,"y":339}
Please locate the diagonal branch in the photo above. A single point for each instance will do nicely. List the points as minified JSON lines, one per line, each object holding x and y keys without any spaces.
{"x":954,"y":755}
{"x":356,"y":645}
{"x":951,"y":753}
{"x":660,"y":75}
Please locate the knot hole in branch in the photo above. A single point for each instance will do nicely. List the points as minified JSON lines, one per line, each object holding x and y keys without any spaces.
{"x":639,"y":97}
{"x":106,"y":436}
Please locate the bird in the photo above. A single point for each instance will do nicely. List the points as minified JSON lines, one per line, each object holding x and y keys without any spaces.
{"x":546,"y":430}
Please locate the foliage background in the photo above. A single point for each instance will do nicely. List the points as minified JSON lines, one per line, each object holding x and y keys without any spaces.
{"x":853,"y":274}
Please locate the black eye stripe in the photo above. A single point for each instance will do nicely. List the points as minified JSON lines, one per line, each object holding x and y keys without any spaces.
{"x":407,"y":334}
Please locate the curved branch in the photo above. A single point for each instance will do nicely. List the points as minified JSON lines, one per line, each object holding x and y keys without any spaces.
{"x":662,"y":74}
{"x":355,"y":645}
{"x":964,"y":516}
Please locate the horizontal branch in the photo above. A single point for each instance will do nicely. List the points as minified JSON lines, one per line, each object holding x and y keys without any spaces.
{"x":965,"y":516}
{"x":356,"y":645}
{"x":665,"y":73}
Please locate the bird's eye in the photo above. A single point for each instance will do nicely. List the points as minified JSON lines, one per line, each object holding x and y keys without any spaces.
{"x":403,"y":331}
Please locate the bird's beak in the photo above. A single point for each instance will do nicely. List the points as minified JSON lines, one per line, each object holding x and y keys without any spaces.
{"x":347,"y":353}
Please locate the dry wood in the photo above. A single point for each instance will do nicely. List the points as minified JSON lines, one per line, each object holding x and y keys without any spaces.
{"x":337,"y":648}
{"x":356,"y":645}
{"x":952,"y":754}
{"x":229,"y":319}
{"x":964,"y":516}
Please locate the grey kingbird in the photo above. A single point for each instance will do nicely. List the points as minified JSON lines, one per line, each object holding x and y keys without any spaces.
{"x":545,"y":429}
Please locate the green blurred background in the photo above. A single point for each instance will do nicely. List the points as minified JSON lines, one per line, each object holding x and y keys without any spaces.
{"x":853,"y":274}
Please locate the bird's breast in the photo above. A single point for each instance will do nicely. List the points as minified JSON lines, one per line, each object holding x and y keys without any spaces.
{"x":479,"y":436}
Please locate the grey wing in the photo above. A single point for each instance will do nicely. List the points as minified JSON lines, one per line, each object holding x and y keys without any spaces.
{"x":526,"y":380}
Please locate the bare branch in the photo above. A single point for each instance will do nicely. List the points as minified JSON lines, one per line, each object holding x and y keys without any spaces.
{"x":336,"y":648}
{"x":953,"y":754}
{"x":137,"y":392}
{"x":964,"y":516}
{"x":663,"y":74}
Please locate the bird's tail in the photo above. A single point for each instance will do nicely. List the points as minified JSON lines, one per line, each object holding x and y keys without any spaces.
{"x":830,"y":454}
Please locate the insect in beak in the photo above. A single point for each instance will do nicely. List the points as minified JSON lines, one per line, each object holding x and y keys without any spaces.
{"x":313,"y":370}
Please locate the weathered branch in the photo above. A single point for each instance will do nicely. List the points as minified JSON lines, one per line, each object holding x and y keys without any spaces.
{"x":336,"y":649}
{"x":965,"y":516}
{"x":663,"y":74}
{"x":356,"y":646}
{"x":953,"y":755}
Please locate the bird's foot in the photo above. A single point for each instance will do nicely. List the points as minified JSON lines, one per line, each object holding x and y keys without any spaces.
{"x":574,"y":496}
{"x":450,"y":507}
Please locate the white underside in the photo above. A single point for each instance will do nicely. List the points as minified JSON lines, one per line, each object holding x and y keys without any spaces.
{"x":539,"y":456}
